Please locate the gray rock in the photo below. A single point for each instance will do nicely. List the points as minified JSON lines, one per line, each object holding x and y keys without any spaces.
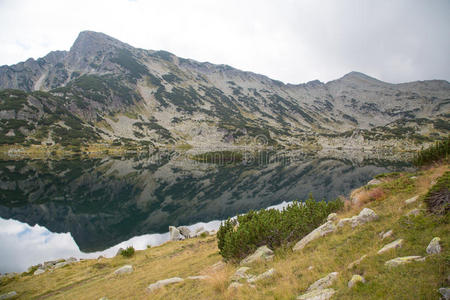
{"x":119,"y":251}
{"x":39,"y":271}
{"x":366,"y":215}
{"x":8,"y":295}
{"x":175,"y":234}
{"x":412,"y":200}
{"x":218,"y":266}
{"x":324,"y":282}
{"x":324,"y":294}
{"x":445,"y":292}
{"x":385,"y":235}
{"x":184,"y":231}
{"x":71,"y":260}
{"x":103,"y":298}
{"x":320,"y":231}
{"x":198,"y":277}
{"x":356,"y":262}
{"x":240,"y":274}
{"x":267,"y":274}
{"x":234,"y":285}
{"x":124,"y":270}
{"x":434,"y":247}
{"x":394,"y":245}
{"x":415,"y":212}
{"x":402,"y":260}
{"x":159,"y":284}
{"x":262,"y":253}
{"x":332,"y":217}
{"x":374,"y":182}
{"x":60,"y":265}
{"x":355,"y":279}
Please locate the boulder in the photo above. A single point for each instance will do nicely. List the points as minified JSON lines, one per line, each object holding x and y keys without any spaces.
{"x":355,"y":279}
{"x":332,"y":217}
{"x":366,"y":215}
{"x":434,"y":247}
{"x":320,"y":231}
{"x":415,"y":212}
{"x":240,"y":274}
{"x":394,"y":245}
{"x":198,"y":277}
{"x":71,"y":260}
{"x":124,"y":270}
{"x":218,"y":266}
{"x":39,"y":271}
{"x":402,"y":260}
{"x":60,"y":265}
{"x":234,"y":285}
{"x":445,"y":292}
{"x":412,"y":200}
{"x":387,"y":234}
{"x":159,"y":284}
{"x":262,"y":253}
{"x":374,"y":182}
{"x":119,"y":251}
{"x":324,"y":282}
{"x":356,"y":262}
{"x":324,"y":294}
{"x":184,"y":231}
{"x":267,"y":274}
{"x":175,"y":234}
{"x":8,"y":295}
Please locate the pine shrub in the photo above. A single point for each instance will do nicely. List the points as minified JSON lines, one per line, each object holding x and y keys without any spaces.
{"x":129,"y":252}
{"x":239,"y":237}
{"x":439,"y":151}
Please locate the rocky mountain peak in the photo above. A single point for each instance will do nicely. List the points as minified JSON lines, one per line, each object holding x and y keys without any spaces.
{"x":90,"y":42}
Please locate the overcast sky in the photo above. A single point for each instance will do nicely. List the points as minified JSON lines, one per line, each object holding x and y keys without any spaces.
{"x":289,"y":40}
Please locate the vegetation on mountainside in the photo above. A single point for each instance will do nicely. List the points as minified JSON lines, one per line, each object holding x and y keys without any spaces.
{"x":272,"y":227}
{"x":219,"y":157}
{"x":439,"y":151}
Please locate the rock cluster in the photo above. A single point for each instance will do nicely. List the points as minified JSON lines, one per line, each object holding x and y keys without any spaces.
{"x":54,"y":264}
{"x":183,"y":232}
{"x":366,"y":215}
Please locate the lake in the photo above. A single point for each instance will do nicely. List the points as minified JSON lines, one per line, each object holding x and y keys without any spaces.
{"x":85,"y":207}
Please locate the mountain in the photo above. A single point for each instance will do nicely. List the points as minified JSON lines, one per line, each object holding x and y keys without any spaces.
{"x":103,"y":90}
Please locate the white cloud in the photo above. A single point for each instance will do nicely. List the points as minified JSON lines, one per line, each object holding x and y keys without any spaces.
{"x":293,"y":41}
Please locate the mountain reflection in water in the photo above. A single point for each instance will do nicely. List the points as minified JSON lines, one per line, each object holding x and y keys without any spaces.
{"x":102,"y":202}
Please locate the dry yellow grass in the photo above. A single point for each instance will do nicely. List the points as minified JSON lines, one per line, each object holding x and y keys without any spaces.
{"x":92,"y":279}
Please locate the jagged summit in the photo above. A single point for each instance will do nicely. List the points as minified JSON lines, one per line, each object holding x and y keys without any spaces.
{"x":91,"y":40}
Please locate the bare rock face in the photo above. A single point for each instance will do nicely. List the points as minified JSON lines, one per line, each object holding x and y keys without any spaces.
{"x":262,"y":253}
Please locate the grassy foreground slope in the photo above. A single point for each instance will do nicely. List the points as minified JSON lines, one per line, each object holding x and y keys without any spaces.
{"x":93,"y":279}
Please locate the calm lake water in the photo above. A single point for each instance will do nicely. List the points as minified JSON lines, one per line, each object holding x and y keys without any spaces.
{"x":53,"y":209}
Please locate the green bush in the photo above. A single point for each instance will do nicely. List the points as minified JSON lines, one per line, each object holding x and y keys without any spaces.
{"x":129,"y":252}
{"x":239,"y":237}
{"x":439,"y":151}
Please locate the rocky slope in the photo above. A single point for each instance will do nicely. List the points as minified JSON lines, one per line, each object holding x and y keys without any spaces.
{"x":105,"y":90}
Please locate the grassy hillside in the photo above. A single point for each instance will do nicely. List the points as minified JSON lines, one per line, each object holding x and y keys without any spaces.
{"x":295,"y":271}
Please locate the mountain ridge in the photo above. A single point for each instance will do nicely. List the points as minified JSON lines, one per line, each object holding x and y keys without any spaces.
{"x":102,"y":81}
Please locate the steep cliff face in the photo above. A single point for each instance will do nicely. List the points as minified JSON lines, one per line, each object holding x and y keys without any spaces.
{"x":127,"y":93}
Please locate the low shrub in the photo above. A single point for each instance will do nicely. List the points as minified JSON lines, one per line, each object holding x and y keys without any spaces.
{"x":239,"y":237}
{"x":129,"y":252}
{"x":437,"y":198}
